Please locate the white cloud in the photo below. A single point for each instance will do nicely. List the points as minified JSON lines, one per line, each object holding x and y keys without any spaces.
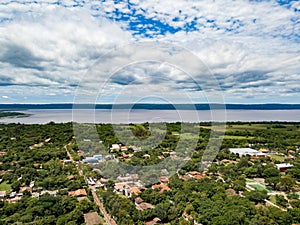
{"x":251,"y":47}
{"x":55,"y":46}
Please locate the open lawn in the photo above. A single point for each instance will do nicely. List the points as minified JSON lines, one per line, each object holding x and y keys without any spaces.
{"x":249,"y":180}
{"x":259,"y":187}
{"x":5,"y":187}
{"x":237,"y":137}
{"x":273,"y":199}
{"x":277,"y":157}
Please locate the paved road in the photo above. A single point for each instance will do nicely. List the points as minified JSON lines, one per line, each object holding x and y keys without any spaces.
{"x":108,"y":219}
{"x":272,"y":204}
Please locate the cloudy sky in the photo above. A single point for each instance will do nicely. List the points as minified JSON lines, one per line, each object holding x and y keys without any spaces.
{"x":52,"y":51}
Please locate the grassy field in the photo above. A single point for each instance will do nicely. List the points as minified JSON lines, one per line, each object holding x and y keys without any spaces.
{"x":273,"y":199}
{"x":5,"y":187}
{"x":237,"y":127}
{"x":253,"y":127}
{"x":249,"y":180}
{"x":277,"y":157}
{"x":258,"y":187}
{"x":237,"y":137}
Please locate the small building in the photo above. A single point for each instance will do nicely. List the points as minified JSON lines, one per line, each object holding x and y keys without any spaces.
{"x":37,"y":165}
{"x":195,"y":174}
{"x":138,"y":200}
{"x":259,"y":155}
{"x":247,"y":151}
{"x":156,"y":220}
{"x":13,"y":200}
{"x":144,"y":205}
{"x":264,"y":150}
{"x":284,"y":166}
{"x":109,"y":157}
{"x":103,"y":181}
{"x":31,"y":184}
{"x":13,"y":194}
{"x":90,"y":181}
{"x":90,"y":160}
{"x":173,"y":154}
{"x":115,"y":147}
{"x":135,"y":148}
{"x":2,"y":194}
{"x":78,"y":193}
{"x":87,"y":140}
{"x":124,"y":148}
{"x":162,"y":187}
{"x":134,"y":190}
{"x":70,"y":177}
{"x":35,"y":195}
{"x":164,"y":179}
{"x":141,"y":205}
{"x":47,"y":140}
{"x":80,"y":153}
{"x":52,"y":193}
{"x":26,"y":188}
{"x":99,"y":157}
{"x":147,"y":156}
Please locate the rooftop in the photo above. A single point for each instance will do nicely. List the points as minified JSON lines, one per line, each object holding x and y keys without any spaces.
{"x":79,"y":192}
{"x":162,"y":187}
{"x":283,"y":165}
{"x":245,"y":151}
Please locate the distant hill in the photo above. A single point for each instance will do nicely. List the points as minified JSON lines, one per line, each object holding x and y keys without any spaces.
{"x":20,"y":107}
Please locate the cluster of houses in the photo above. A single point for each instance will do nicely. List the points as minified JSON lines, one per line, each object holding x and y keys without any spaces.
{"x":248,"y":151}
{"x":141,"y":205}
{"x":263,"y":153}
{"x":14,"y":196}
{"x":119,"y":147}
{"x":128,"y":185}
{"x":36,"y":192}
{"x":95,"y":159}
{"x":192,"y":175}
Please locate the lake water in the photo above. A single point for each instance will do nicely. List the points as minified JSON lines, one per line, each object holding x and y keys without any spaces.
{"x":137,"y":116}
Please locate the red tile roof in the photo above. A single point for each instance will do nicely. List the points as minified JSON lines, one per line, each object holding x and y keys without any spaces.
{"x":79,"y":192}
{"x":162,"y":187}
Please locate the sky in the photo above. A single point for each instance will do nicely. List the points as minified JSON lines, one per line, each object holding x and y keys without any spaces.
{"x":183,"y":51}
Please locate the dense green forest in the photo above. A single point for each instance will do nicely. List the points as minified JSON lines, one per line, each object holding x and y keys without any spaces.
{"x":36,"y":153}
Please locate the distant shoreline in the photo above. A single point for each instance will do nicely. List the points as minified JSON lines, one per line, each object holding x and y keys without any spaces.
{"x":42,"y":116}
{"x":146,"y":106}
{"x":10,"y":114}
